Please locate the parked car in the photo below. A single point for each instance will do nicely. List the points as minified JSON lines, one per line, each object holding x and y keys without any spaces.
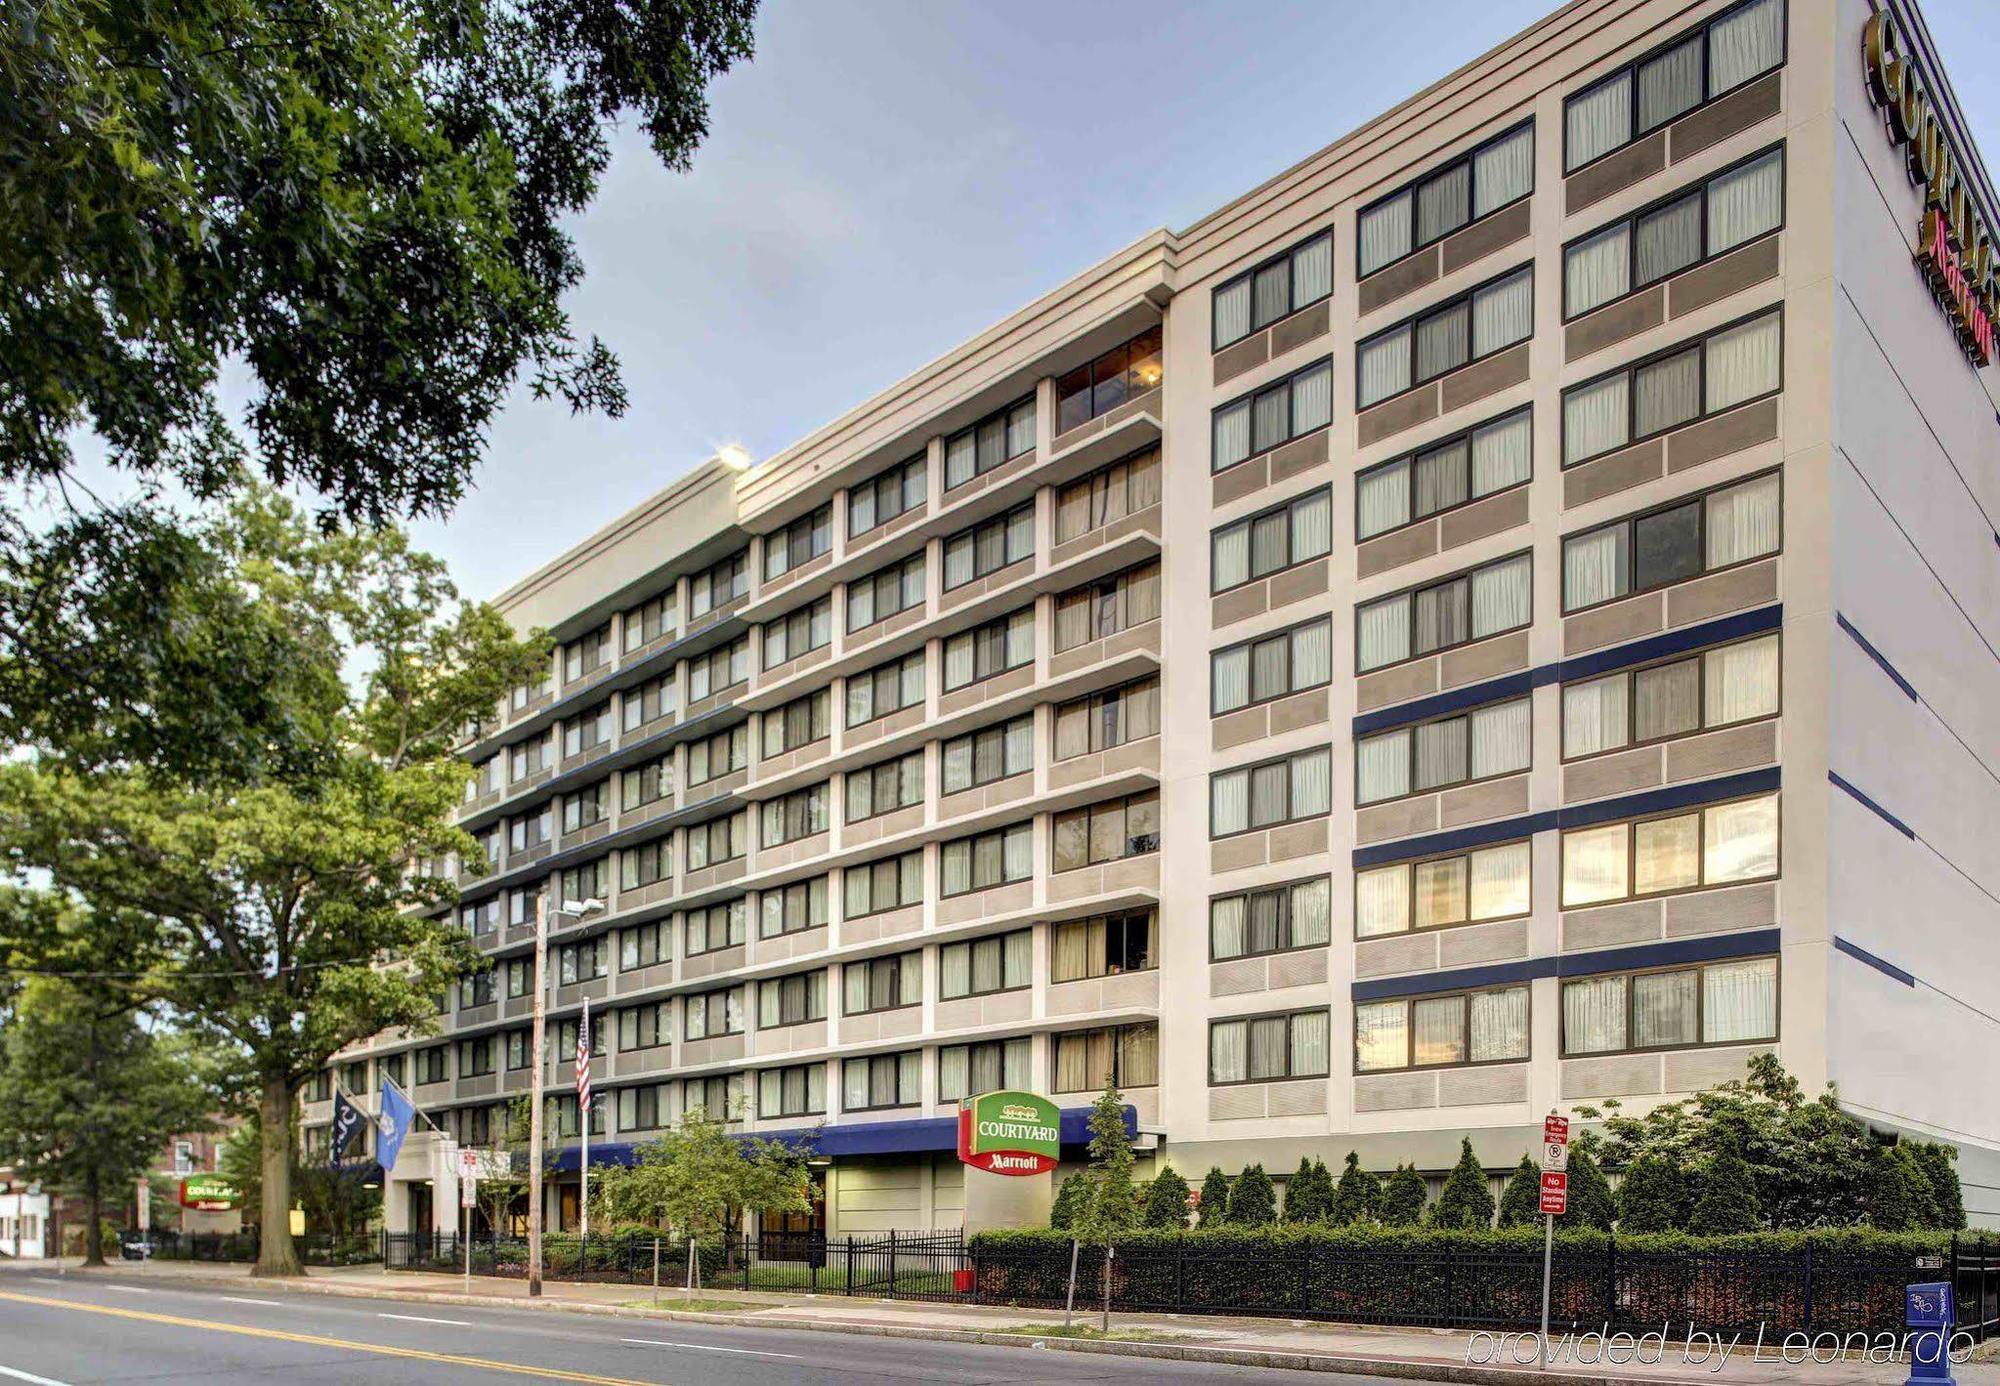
{"x":134,"y":1245}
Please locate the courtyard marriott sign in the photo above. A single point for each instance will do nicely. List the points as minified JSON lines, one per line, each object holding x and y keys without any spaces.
{"x":1954,"y":244}
{"x":208,"y":1193}
{"x":1010,"y":1133}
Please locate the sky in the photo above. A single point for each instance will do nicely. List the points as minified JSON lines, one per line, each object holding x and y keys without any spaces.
{"x":886,"y":178}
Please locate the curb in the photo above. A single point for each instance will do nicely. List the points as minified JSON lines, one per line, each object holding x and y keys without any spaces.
{"x":1401,"y":1368}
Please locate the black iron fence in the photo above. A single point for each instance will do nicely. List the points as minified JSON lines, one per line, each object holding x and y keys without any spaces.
{"x":1975,"y":1276}
{"x":315,"y":1249}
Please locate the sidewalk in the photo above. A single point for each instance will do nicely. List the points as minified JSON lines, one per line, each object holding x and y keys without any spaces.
{"x":1427,"y":1354}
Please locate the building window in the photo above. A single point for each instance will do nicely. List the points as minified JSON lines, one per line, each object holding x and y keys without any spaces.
{"x":1279,"y":538}
{"x":718,"y":840}
{"x":878,"y":789}
{"x":1108,"y":495}
{"x":1104,"y":720}
{"x":1482,"y":462}
{"x":800,"y":632}
{"x":1675,"y":543}
{"x":1717,"y":1003}
{"x":589,"y":881}
{"x":1712,"y":218}
{"x":1730,"y":366}
{"x":1271,"y":919}
{"x":587,"y":654}
{"x":388,"y":1069}
{"x":719,"y":670}
{"x":583,"y":962}
{"x":1267,"y":1048}
{"x":649,"y":702}
{"x":1439,"y":892}
{"x":724,"y":753}
{"x":586,"y":808}
{"x":533,"y":692}
{"x":475,"y":1057}
{"x":1108,"y":606}
{"x":1678,"y":697}
{"x":530,"y":757}
{"x":1107,"y":946}
{"x":1494,"y":175}
{"x":520,"y":977}
{"x":883,"y":984}
{"x":1489,"y":600}
{"x":474,"y":989}
{"x":1271,"y":666}
{"x":995,"y":440}
{"x":887,"y":592}
{"x":965,"y":1069}
{"x":1299,"y":404}
{"x":530,"y":830}
{"x":562,"y":1117}
{"x":715,"y":927}
{"x":795,"y":1000}
{"x":643,"y":945}
{"x":985,"y":860}
{"x":793,"y":909}
{"x":984,"y":652}
{"x":720,"y":1098}
{"x":801,"y":722}
{"x":712,"y":1013}
{"x":1106,"y":832}
{"x":648,"y":1107}
{"x":1276,"y":289}
{"x":1723,"y":54}
{"x":881,"y":1081}
{"x":524,"y":905}
{"x":988,"y":755}
{"x":646,"y":784}
{"x":877,"y":501}
{"x":1476,"y":745}
{"x":479,"y":919}
{"x":648,"y":621}
{"x":983,"y":966}
{"x":801,"y":541}
{"x":430,"y":1064}
{"x":719,"y":584}
{"x":989,"y":546}
{"x":1721,"y":844}
{"x":1438,"y":341}
{"x":802,"y":813}
{"x":1100,"y":386}
{"x":883,"y":885}
{"x":1480,"y":1027}
{"x":1277,"y":791}
{"x":1128,"y":1055}
{"x":646,"y":864}
{"x":645,"y":1027}
{"x":885,"y":689}
{"x":520,"y":1049}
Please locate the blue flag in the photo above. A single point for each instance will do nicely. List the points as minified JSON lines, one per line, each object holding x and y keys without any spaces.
{"x":347,"y":1119}
{"x":393,"y":1124}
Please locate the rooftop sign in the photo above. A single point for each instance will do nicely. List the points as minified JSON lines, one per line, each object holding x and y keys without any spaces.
{"x":1010,"y":1133}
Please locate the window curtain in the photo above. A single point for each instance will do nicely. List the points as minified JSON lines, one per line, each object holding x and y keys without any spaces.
{"x":1594,"y":716}
{"x":1232,"y":313}
{"x":1594,"y":568}
{"x":1228,"y":1056}
{"x":1309,"y":1044}
{"x":1385,"y":367}
{"x":1270,"y":1046}
{"x":1666,"y":393}
{"x":1384,"y":233}
{"x":1381,"y":901}
{"x":1312,"y":271}
{"x":1668,"y":240}
{"x":1498,"y":1022}
{"x":1743,"y":362}
{"x":1504,"y":171}
{"x":1229,"y":802}
{"x":1746,"y":202}
{"x":1501,"y":597}
{"x":1312,"y":400}
{"x":1382,"y":501}
{"x":1666,"y":700}
{"x":1226,"y":927}
{"x":1312,"y":784}
{"x":1230,"y":562}
{"x":1139,"y":1056}
{"x":1441,"y":617}
{"x":1744,"y":522}
{"x":1312,"y":913}
{"x":1597,"y":270}
{"x":1384,"y":633}
{"x":1503,"y":313}
{"x":952,"y":1072}
{"x":1440,"y":892}
{"x":1444,"y":203}
{"x":1438,"y":1025}
{"x":854,"y":1085}
{"x":1230,"y":678}
{"x":1382,"y":767}
{"x":1441,"y":478}
{"x":1072,"y":1063}
{"x":1020,"y":639}
{"x":1312,"y":527}
{"x":1598,"y":121}
{"x":1269,"y":535}
{"x":1440,"y":753}
{"x":1272,"y":288}
{"x":1739,"y":1001}
{"x":1500,"y":737}
{"x":1312,"y":654}
{"x":1666,"y":854}
{"x":1232,"y":436}
{"x":1748,"y":42}
{"x":1741,"y":682}
{"x":1740,"y":841}
{"x":1596,"y":419}
{"x":1499,"y":885}
{"x":1502,"y":454}
{"x":1017,"y":860}
{"x":1594,"y":865}
{"x":1271,"y":419}
{"x":1670,"y":84}
{"x":1381,"y":1038}
{"x":1270,"y":794}
{"x":1593,"y":1012}
{"x":1444,"y":340}
{"x":1072,"y":953}
{"x":1663,"y":1009}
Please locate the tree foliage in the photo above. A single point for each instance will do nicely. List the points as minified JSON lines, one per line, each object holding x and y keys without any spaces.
{"x":1727,"y":1201}
{"x":1309,"y":1193}
{"x":1403,"y":1196}
{"x":1108,"y":1203}
{"x":1591,"y":1202}
{"x":1253,"y":1202}
{"x":1655,"y":1196}
{"x":1214,"y":1198}
{"x":694,"y":1176}
{"x":1357,"y":1197}
{"x":1166,"y":1201}
{"x":1521,"y":1200}
{"x":1465,"y":1200}
{"x":1069,"y":1196}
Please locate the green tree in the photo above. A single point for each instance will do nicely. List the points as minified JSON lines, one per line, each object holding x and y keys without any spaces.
{"x":262,"y":912}
{"x":1465,"y":1201}
{"x":88,"y":1095}
{"x":1898,"y":1191}
{"x":1403,"y":1195}
{"x":1305,"y":1202}
{"x":1069,"y":1195}
{"x":1728,"y":1198}
{"x":337,"y":1199}
{"x":1591,"y":1201}
{"x":1214,"y":1208}
{"x":1521,"y":1200}
{"x":694,"y":1176}
{"x":1253,"y":1202}
{"x":1938,"y":1161}
{"x":503,"y":1190}
{"x":1109,"y":1203}
{"x":1356,"y":1197}
{"x":1166,"y":1201}
{"x":1655,"y":1196}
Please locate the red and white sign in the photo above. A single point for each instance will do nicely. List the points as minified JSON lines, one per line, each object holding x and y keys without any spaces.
{"x":1555,"y":1192}
{"x":1555,"y":1130}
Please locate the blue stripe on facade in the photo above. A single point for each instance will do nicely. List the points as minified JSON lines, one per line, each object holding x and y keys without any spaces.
{"x":1860,"y":954}
{"x":1862,"y":799}
{"x":1583,"y":666}
{"x":1674,"y":953}
{"x":1882,"y":660}
{"x":1578,"y":816}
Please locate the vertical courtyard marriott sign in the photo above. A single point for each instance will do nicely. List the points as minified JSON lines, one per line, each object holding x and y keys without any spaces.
{"x":1955,"y":247}
{"x":1010,"y":1133}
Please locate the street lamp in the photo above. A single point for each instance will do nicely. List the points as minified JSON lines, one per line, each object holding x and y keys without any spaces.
{"x":578,"y":911}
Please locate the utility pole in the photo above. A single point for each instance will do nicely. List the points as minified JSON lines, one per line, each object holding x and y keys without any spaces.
{"x":575,"y":910}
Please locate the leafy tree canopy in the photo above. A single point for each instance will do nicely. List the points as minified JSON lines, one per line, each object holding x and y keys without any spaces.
{"x":1253,"y":1202}
{"x":1465,"y":1200}
{"x":1403,"y":1196}
{"x":1166,"y":1201}
{"x":692,"y":1177}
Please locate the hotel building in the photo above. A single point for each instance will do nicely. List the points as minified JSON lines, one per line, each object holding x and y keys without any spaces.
{"x":1501,"y":616}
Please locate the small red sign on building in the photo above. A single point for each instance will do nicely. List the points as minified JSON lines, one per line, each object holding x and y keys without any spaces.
{"x":1555,"y":1192}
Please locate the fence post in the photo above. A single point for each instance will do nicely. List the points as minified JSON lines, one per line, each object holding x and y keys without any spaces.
{"x":1180,"y":1273}
{"x":892,"y":1263}
{"x":1809,"y":1287}
{"x":1611,"y":1280}
{"x":850,"y":1261}
{"x":1444,"y":1305}
{"x":1305,"y":1281}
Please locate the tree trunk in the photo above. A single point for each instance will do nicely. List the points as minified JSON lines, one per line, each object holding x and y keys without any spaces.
{"x":275,"y":1253}
{"x":93,"y":1232}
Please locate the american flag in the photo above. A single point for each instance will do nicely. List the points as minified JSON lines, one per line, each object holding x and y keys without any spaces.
{"x":583,"y":1062}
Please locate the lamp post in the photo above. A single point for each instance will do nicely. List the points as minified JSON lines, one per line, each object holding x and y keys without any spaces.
{"x":577,"y":910}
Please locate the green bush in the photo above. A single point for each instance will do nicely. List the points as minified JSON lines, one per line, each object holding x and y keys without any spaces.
{"x":1069,"y":1194}
{"x":1402,"y":1202}
{"x":1214,"y":1198}
{"x":1309,"y":1195}
{"x":1655,"y":1197}
{"x":1166,"y":1203}
{"x":1521,"y":1200}
{"x":1358,"y":1194}
{"x":1591,"y":1203}
{"x":1466,"y":1202}
{"x":1728,"y":1201}
{"x":1894,"y":1201}
{"x":1938,"y":1162}
{"x":1252,"y":1200}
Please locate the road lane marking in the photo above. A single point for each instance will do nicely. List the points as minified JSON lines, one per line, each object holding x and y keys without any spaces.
{"x":129,"y":1289}
{"x":241,"y":1299}
{"x":419,"y":1318}
{"x":19,"y":1375}
{"x":704,"y":1347}
{"x":316,"y":1340}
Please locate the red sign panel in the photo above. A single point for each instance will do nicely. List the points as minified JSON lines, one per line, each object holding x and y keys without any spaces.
{"x":1555,"y":1191}
{"x":1555,"y":1130}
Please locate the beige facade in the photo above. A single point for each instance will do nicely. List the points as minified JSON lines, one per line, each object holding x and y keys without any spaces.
{"x":1404,"y":692}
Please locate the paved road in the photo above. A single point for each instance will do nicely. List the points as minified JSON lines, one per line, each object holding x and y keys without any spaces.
{"x":101,"y":1328}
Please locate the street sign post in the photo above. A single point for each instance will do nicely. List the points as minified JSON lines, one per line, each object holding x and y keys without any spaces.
{"x":1555,"y":1201}
{"x":468,"y":1189}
